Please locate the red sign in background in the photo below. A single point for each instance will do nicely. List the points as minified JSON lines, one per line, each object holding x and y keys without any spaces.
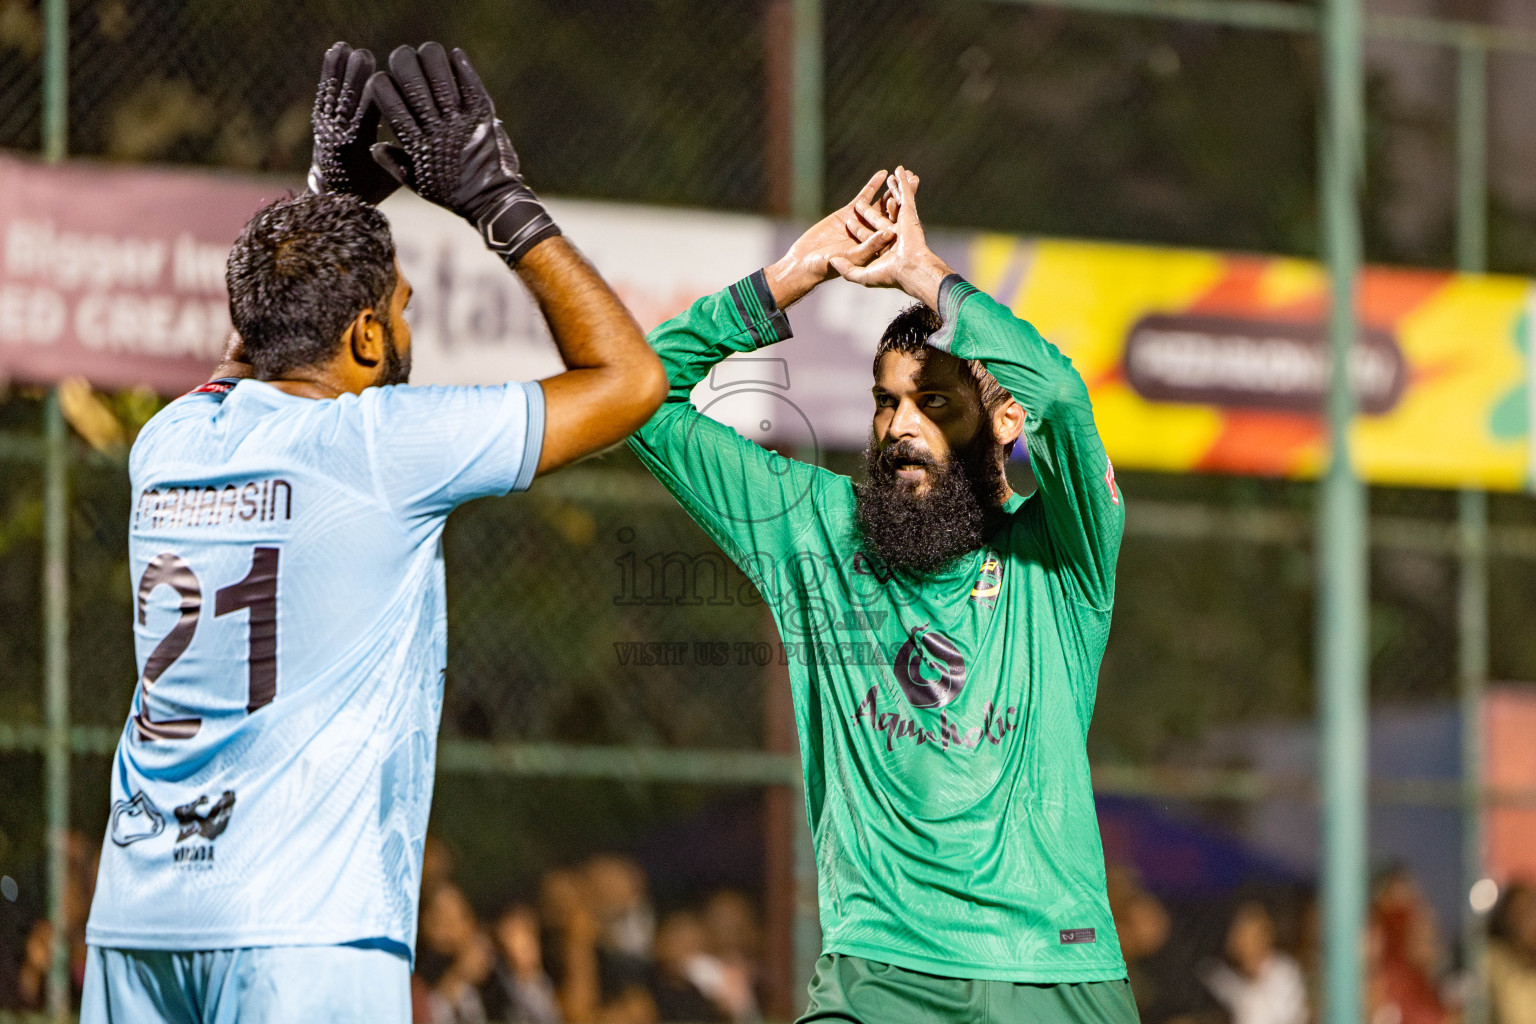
{"x":1509,"y":722}
{"x":117,"y":275}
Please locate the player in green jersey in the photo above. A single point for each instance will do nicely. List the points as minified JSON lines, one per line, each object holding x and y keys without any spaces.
{"x":944,"y":634}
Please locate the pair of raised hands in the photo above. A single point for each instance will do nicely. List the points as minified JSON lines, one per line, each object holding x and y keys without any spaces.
{"x":875,"y":240}
{"x":452,"y":151}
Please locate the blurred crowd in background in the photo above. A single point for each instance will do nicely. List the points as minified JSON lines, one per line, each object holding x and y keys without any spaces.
{"x":1260,"y":963}
{"x":588,"y":944}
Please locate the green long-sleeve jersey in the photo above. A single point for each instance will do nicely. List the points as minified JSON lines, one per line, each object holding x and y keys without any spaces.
{"x":942,"y":720}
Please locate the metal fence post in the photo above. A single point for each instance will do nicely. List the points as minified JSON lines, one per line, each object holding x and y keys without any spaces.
{"x":806,"y":117}
{"x":55,"y":79}
{"x":1341,"y":525}
{"x":1471,"y":157}
{"x":56,"y":554}
{"x":56,"y":682}
{"x":1472,"y":670}
{"x":1472,"y":514}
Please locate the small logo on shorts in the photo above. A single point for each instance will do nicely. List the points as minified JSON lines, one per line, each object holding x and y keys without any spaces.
{"x":135,"y":819}
{"x":1077,"y":936}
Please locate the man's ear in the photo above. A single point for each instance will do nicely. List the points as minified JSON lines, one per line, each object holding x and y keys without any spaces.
{"x":364,"y":338}
{"x":1008,"y":422}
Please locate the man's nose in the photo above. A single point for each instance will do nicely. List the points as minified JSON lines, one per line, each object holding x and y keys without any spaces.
{"x":906,"y":422}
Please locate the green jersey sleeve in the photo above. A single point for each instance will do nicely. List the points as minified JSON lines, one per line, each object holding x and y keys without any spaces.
{"x":1083,"y":509}
{"x":753,"y":502}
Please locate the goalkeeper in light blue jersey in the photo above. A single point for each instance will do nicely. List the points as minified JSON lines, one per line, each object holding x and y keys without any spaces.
{"x":271,"y":787}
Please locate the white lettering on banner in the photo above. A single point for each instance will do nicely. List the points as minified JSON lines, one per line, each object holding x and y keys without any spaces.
{"x":197,"y":266}
{"x":70,"y":260}
{"x":474,"y":323}
{"x":30,"y":316}
{"x":661,"y":261}
{"x":473,"y":306}
{"x":152,"y":325}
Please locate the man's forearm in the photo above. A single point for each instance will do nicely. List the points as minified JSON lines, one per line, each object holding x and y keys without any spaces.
{"x":590,"y":325}
{"x":613,"y":381}
{"x":921,"y":280}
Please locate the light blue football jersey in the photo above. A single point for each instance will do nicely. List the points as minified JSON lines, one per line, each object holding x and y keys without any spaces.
{"x":272,"y":784}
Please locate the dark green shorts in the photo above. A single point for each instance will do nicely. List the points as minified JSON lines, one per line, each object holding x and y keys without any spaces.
{"x":850,"y":989}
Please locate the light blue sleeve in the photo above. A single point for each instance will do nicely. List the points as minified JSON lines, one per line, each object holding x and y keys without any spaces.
{"x":434,"y":448}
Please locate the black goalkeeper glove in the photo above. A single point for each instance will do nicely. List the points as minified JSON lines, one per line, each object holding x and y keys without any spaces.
{"x":453,"y":150}
{"x":346,"y":125}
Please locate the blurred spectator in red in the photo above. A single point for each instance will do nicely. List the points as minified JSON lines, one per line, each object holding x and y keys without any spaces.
{"x":1512,"y":957}
{"x":453,"y":958}
{"x":1254,"y":980}
{"x":686,"y":974}
{"x":1406,"y":957}
{"x":735,"y":939}
{"x":519,"y":991}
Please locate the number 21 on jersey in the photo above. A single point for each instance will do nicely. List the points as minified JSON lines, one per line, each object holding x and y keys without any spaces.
{"x":257,"y":592}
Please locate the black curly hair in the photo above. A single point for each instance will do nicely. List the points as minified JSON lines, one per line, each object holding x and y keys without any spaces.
{"x":302,"y":269}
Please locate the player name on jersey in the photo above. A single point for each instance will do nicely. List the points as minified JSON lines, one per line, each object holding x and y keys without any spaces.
{"x":177,"y":507}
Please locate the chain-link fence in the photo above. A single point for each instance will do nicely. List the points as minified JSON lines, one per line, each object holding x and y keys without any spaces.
{"x":594,"y":630}
{"x":670,"y":96}
{"x":1201,"y":133}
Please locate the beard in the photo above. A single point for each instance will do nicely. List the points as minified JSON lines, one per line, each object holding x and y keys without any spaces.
{"x":921,"y":533}
{"x":395,"y":369}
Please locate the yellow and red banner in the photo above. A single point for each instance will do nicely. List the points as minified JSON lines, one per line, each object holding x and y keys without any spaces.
{"x":1197,"y":361}
{"x":1205,"y":362}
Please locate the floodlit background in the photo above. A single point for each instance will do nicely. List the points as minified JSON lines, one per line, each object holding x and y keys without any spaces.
{"x":600,"y":758}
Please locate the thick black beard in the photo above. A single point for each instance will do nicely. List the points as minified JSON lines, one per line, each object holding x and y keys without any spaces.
{"x":920,"y":535}
{"x":395,"y":369}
